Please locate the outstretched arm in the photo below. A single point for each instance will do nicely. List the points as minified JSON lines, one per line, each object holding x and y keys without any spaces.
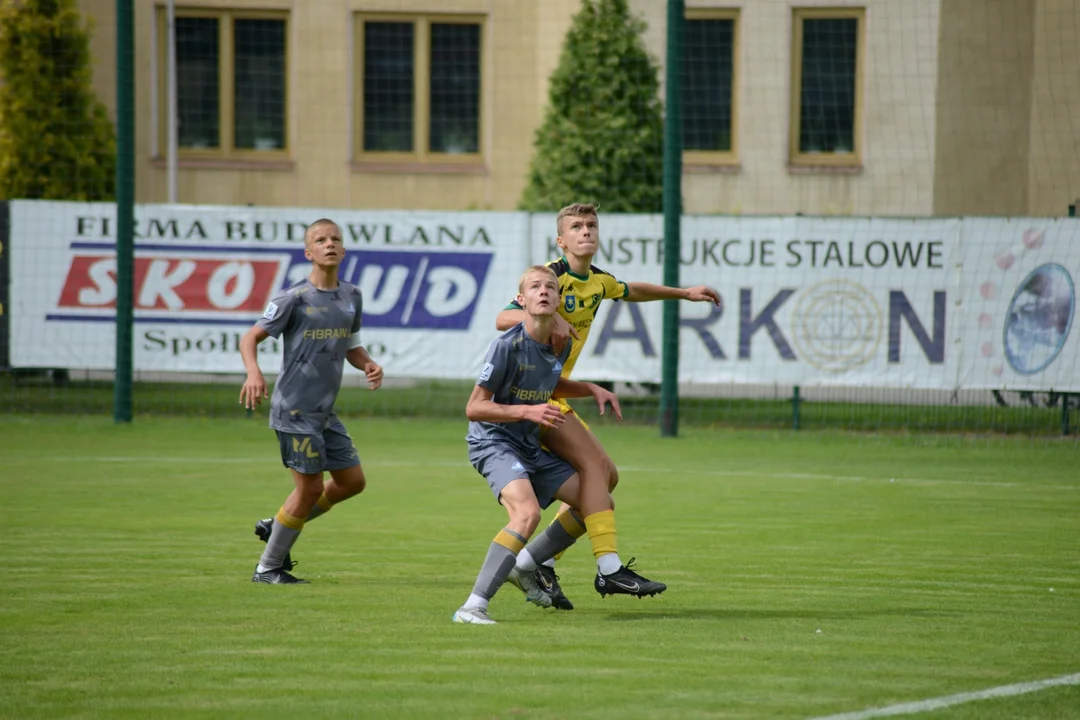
{"x":646,"y":292}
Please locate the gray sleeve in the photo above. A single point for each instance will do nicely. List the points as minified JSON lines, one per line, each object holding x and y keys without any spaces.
{"x":358,"y":316}
{"x":496,"y":366}
{"x":277,"y":314}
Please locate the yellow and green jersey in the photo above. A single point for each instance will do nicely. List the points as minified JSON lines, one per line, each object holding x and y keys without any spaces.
{"x":580,"y":298}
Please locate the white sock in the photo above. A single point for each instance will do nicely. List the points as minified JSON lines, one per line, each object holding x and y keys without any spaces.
{"x":608,"y":563}
{"x":525,"y":561}
{"x":550,"y":562}
{"x":259,"y":568}
{"x":475,"y":601}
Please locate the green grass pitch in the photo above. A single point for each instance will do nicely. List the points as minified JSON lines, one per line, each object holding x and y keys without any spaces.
{"x":809,"y":574}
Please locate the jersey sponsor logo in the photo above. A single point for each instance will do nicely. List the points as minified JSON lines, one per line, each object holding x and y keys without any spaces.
{"x":517,"y":466}
{"x":485,"y":373}
{"x":556,"y":368}
{"x":327,"y":333}
{"x":527,"y":395}
{"x":271,"y":311}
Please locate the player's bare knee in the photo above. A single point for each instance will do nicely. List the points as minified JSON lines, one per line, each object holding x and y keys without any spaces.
{"x":309,"y":493}
{"x":357,"y":485}
{"x":525,"y":519}
{"x":613,"y":474}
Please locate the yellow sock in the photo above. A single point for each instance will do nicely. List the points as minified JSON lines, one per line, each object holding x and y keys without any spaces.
{"x":322,"y":506}
{"x":571,"y":525}
{"x":293,"y":523}
{"x":510,"y":540}
{"x":602,"y":533}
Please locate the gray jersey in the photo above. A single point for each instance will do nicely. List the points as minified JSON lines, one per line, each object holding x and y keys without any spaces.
{"x":518,"y":371}
{"x":317,"y":326}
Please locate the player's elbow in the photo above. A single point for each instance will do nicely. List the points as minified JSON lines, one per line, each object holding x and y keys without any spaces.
{"x":473,"y":411}
{"x":504,"y":321}
{"x":251,"y":339}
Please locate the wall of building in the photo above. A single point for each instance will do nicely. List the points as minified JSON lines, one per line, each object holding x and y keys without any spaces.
{"x":1054,"y":147}
{"x":986,"y":51}
{"x":898,"y":137}
{"x":320,"y":171}
{"x":970,"y":107}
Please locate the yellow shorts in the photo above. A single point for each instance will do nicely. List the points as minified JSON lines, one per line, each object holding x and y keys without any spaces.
{"x":565,"y":408}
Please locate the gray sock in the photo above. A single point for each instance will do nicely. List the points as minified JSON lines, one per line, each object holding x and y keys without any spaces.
{"x":282,"y":538}
{"x":550,"y":543}
{"x":496,"y":568}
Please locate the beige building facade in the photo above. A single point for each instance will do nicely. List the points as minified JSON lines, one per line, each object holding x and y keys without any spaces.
{"x":881,"y":107}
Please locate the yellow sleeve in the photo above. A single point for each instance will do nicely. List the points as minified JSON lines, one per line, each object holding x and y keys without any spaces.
{"x":614,"y":289}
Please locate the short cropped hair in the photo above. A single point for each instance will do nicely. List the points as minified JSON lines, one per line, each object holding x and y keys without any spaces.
{"x":318,"y":223}
{"x":535,"y":269}
{"x":574,"y":210}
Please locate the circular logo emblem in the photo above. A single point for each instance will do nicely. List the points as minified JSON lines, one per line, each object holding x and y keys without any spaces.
{"x":1039,"y":318}
{"x":837,"y":325}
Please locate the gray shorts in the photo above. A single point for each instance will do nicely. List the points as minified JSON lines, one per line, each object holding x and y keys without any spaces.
{"x":501,"y":466}
{"x":332,"y":449}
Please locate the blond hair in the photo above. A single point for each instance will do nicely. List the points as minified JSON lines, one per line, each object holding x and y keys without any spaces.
{"x":535,"y":269}
{"x":574,"y":210}
{"x":318,"y":223}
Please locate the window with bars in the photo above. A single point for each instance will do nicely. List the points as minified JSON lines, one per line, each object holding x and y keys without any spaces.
{"x":709,"y":86}
{"x":231,"y":91}
{"x":826,"y":112}
{"x":418,"y":89}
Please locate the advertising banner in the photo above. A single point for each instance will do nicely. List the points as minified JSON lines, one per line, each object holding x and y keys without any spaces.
{"x":432,"y":283}
{"x":1017,"y":323}
{"x":818,"y":302}
{"x":807,"y":301}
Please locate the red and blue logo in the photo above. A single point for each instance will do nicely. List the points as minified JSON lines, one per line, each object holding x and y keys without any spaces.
{"x":230,"y":286}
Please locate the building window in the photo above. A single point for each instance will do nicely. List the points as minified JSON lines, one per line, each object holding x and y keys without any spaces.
{"x":826,"y":99}
{"x":418,"y":89}
{"x":709,"y":86}
{"x":231,"y":92}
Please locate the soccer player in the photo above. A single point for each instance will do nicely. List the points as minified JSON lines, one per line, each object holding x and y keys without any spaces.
{"x":506,"y":410}
{"x":320,"y":320}
{"x":582,"y":286}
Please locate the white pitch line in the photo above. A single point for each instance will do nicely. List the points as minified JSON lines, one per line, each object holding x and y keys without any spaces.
{"x":941,"y":702}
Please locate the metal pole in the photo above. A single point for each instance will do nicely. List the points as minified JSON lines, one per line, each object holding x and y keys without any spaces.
{"x":125,"y":207}
{"x":796,"y":404}
{"x":170,"y":122}
{"x":669,"y":386}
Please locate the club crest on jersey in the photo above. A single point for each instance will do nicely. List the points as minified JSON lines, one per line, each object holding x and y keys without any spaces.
{"x":570,"y":303}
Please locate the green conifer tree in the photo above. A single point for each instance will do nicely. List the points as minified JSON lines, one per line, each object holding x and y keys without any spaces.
{"x":601,"y":139}
{"x":56,"y":139}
